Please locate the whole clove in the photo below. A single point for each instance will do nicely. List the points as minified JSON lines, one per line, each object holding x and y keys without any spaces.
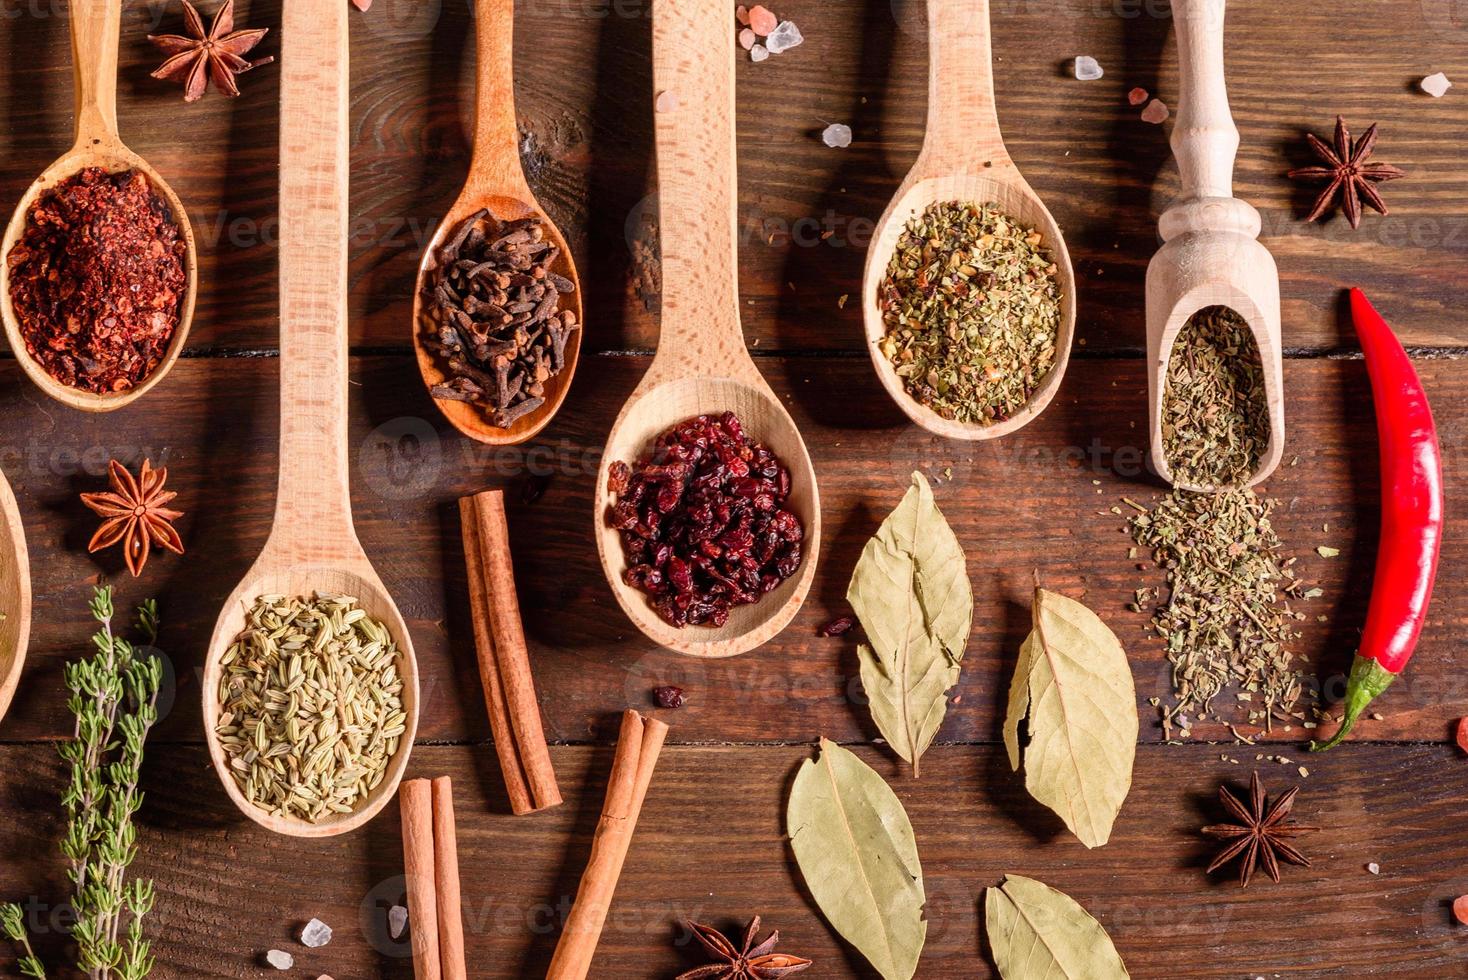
{"x":494,"y":315}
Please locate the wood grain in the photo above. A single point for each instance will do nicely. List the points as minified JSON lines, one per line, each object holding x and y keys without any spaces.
{"x":711,"y":845}
{"x":584,"y":98}
{"x":1023,"y":503}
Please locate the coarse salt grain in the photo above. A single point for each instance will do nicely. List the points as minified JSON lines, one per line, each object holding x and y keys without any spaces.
{"x":666,"y":102}
{"x":1435,"y":85}
{"x":741,"y":14}
{"x":397,"y":921}
{"x":1156,"y":112}
{"x":747,"y":38}
{"x":784,"y":37}
{"x":1088,"y":69}
{"x":762,"y":20}
{"x":1137,"y":96}
{"x":280,"y":960}
{"x":1374,"y":868}
{"x":316,"y":934}
{"x":758,"y":53}
{"x":1460,"y":909}
{"x":837,"y":135}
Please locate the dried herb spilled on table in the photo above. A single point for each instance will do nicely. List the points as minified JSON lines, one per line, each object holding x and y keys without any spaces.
{"x":311,"y":709}
{"x":972,"y":308}
{"x":494,"y":315}
{"x":703,"y":521}
{"x":97,"y":280}
{"x":1225,"y":621}
{"x":114,"y":696}
{"x":1215,"y":418}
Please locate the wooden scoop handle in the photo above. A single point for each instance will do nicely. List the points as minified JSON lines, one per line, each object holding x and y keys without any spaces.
{"x":1204,"y":139}
{"x":95,"y":28}
{"x":313,"y":510}
{"x":963,"y":123}
{"x":693,"y":49}
{"x":495,"y":168}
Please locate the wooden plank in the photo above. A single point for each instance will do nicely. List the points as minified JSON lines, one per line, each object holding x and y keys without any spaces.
{"x":584,"y":100}
{"x":711,"y":845}
{"x":1039,"y":499}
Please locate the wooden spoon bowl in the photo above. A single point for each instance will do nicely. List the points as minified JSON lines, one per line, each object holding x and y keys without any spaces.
{"x":313,"y":547}
{"x":497,"y":182}
{"x":702,"y":365}
{"x":964,"y":159}
{"x":15,"y":596}
{"x":94,"y":35}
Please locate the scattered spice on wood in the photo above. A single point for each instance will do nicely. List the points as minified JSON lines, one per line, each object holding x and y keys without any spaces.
{"x":1215,"y":417}
{"x":1263,"y":833}
{"x":217,"y":53}
{"x":839,"y":626}
{"x":972,"y":310}
{"x":1346,"y":173}
{"x":1226,"y":620}
{"x":1460,"y":909}
{"x":135,"y":514}
{"x":1137,"y":96}
{"x":1463,"y":734}
{"x":669,"y":696}
{"x":97,"y":280}
{"x":703,"y":521}
{"x":495,"y":317}
{"x":749,"y":961}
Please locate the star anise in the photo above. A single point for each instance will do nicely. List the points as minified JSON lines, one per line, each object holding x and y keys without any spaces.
{"x":134,"y":514}
{"x":1262,"y":835}
{"x":751,"y":962}
{"x":218,"y":53}
{"x":1347,"y":173}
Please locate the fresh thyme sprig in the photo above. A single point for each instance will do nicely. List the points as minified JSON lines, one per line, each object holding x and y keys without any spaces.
{"x":114,"y":697}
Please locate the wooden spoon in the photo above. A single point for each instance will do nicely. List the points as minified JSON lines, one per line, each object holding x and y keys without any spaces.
{"x":496,"y":181}
{"x":963,"y":159}
{"x":95,"y":26}
{"x":1211,"y":255}
{"x":702,"y":365}
{"x":313,"y":546}
{"x":15,"y":596}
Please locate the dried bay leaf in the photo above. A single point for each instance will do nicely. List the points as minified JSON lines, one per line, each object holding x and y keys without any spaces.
{"x":858,"y":855}
{"x":1074,"y":682}
{"x":912,"y":594}
{"x":1035,"y":931}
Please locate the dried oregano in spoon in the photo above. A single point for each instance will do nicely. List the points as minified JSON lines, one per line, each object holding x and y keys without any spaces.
{"x":311,"y":708}
{"x":114,"y":696}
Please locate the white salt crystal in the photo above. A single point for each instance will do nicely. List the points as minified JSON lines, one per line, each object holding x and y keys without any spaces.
{"x":397,"y":921}
{"x":1088,"y":69}
{"x":1374,"y":868}
{"x":783,"y":38}
{"x":280,"y":960}
{"x":758,"y":53}
{"x":316,"y":934}
{"x":1435,"y":85}
{"x":837,"y":135}
{"x":747,"y":38}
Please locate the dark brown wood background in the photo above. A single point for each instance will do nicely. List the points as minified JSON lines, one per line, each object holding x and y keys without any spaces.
{"x":711,"y":841}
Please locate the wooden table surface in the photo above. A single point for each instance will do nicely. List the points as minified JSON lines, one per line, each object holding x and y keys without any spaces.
{"x":711,"y":843}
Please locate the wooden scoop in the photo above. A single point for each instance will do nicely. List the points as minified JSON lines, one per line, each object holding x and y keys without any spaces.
{"x":313,"y":546}
{"x":1211,"y":255}
{"x":95,"y":26}
{"x":496,"y":181}
{"x":15,"y":596}
{"x":963,"y":159}
{"x":702,"y":365}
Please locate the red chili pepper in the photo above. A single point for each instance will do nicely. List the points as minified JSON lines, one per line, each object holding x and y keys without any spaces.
{"x":1411,"y":515}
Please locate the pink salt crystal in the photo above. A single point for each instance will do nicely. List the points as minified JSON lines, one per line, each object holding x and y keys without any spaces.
{"x":666,"y":102}
{"x":741,"y":13}
{"x":1137,"y":96}
{"x":746,"y":39}
{"x":1156,"y":112}
{"x":762,"y":21}
{"x":362,"y":5}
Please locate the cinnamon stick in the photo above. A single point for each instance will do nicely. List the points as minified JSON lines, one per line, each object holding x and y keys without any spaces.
{"x":504,"y":660}
{"x":446,"y":877}
{"x":416,"y":801}
{"x":638,"y":746}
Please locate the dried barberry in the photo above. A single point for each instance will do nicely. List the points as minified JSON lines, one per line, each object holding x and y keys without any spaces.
{"x":703,"y":521}
{"x":670,"y":696}
{"x":838,"y":626}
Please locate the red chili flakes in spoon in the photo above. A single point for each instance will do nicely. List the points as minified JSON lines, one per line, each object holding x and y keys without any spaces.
{"x":97,"y":280}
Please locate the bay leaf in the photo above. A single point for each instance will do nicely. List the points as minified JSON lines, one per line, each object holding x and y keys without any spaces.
{"x":1038,"y":932}
{"x":912,"y":594}
{"x":1074,"y":682}
{"x":858,"y":855}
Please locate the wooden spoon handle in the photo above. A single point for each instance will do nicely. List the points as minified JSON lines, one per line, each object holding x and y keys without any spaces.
{"x":313,"y":509}
{"x":693,"y":45}
{"x":95,"y":28}
{"x":963,"y":124}
{"x":495,"y":167}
